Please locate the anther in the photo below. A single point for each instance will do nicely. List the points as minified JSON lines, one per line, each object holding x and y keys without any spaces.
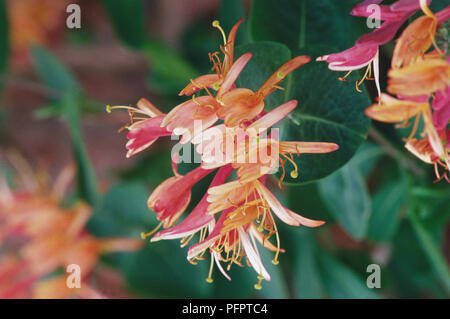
{"x":294,"y":173}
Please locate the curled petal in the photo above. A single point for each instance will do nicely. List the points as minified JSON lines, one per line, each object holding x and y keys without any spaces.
{"x":252,"y":254}
{"x":233,"y":74}
{"x":307,"y":147}
{"x":354,"y":58}
{"x":146,"y":106}
{"x":306,"y":221}
{"x":182,"y":119}
{"x":392,"y":110}
{"x":423,"y":77}
{"x":203,"y":81}
{"x":276,"y":206}
{"x":270,"y":85}
{"x":270,"y":119}
{"x":414,"y":41}
{"x":238,"y":106}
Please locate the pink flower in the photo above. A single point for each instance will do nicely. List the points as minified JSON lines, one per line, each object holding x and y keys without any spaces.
{"x":365,"y":52}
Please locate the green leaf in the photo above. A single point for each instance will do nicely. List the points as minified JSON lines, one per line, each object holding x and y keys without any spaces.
{"x":4,"y":37}
{"x":386,"y":205}
{"x":231,"y":11}
{"x":341,"y":282}
{"x":306,"y":275}
{"x":347,"y":198}
{"x":170,"y":71}
{"x":411,"y":273}
{"x":123,"y":212}
{"x":303,"y":23}
{"x":431,"y":248}
{"x":329,"y":110}
{"x":128,"y":20}
{"x":53,"y":73}
{"x":68,"y":96}
{"x":86,"y":178}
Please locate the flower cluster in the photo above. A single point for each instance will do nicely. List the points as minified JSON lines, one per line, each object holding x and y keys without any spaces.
{"x":238,"y":209}
{"x":34,"y":22}
{"x":419,"y":76}
{"x":38,"y":237}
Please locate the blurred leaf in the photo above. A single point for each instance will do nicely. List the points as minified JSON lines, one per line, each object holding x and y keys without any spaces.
{"x":86,"y":178}
{"x":431,"y":248}
{"x":386,"y":205}
{"x":367,"y":157}
{"x":408,"y":266}
{"x":329,"y":111}
{"x":303,"y":23}
{"x":341,"y":282}
{"x":123,"y":212}
{"x":162,"y":271}
{"x":231,"y":11}
{"x":306,"y":274}
{"x":128,"y":20}
{"x":52,"y":72}
{"x":68,"y":97}
{"x":347,"y":198}
{"x":4,"y":37}
{"x":170,"y":72}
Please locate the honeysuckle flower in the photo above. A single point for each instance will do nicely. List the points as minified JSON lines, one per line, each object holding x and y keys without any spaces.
{"x":251,"y":152}
{"x":221,"y":217}
{"x":214,"y":81}
{"x":441,"y":109}
{"x":423,"y":77}
{"x":241,"y":104}
{"x":365,"y":52}
{"x":247,"y":214}
{"x":198,"y":218}
{"x":47,"y":237}
{"x":34,"y":22}
{"x":171,"y":198}
{"x":145,"y":128}
{"x":418,"y":37}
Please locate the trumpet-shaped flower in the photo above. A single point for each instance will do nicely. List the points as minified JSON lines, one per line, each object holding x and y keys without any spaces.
{"x":365,"y":52}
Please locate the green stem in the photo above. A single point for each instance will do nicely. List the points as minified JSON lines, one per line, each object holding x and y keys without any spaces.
{"x":431,"y":249}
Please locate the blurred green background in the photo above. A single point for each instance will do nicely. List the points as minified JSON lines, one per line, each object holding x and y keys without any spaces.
{"x":379,"y":202}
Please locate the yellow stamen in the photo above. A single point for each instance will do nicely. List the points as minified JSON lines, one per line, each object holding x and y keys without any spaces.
{"x":345,"y":76}
{"x":216,"y":24}
{"x":425,"y":9}
{"x":209,"y":279}
{"x":145,"y":235}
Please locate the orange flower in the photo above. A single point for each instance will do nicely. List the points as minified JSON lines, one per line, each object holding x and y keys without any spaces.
{"x":416,"y":39}
{"x":422,"y":77}
{"x":33,"y":22}
{"x":47,"y":238}
{"x":241,"y":105}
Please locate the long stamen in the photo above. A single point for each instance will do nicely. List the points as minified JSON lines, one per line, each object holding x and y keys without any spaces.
{"x":209,"y":279}
{"x":294,"y":173}
{"x":109,"y":108}
{"x":216,"y":24}
{"x":145,"y":235}
{"x":344,"y":78}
